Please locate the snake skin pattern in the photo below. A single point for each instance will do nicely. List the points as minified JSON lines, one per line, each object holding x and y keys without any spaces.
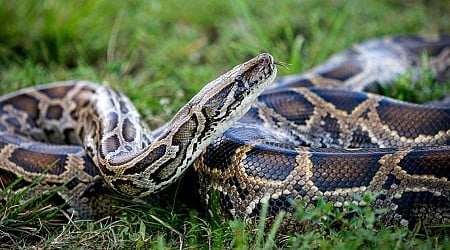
{"x":307,"y":136}
{"x":312,"y":135}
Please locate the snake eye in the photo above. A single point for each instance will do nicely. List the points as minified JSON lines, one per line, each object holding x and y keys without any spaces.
{"x":238,"y":78}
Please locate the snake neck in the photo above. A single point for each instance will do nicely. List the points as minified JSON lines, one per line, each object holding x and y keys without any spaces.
{"x":134,"y":164}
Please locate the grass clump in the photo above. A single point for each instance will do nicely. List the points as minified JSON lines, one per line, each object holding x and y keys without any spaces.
{"x":151,"y":226}
{"x":417,"y":86}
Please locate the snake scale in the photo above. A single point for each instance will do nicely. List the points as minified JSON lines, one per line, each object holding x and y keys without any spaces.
{"x":306,"y":136}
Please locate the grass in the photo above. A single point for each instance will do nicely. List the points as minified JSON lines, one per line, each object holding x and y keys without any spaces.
{"x":163,"y":52}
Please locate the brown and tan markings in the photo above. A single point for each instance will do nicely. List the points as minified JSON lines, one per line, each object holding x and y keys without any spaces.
{"x":305,"y":137}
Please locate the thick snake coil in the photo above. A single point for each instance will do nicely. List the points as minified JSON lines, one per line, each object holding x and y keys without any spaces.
{"x":298,"y":140}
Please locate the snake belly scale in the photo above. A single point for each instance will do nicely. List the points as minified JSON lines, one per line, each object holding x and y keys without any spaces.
{"x":306,"y":136}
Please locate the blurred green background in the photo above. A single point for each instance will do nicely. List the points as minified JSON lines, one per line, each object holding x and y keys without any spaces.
{"x":163,"y":52}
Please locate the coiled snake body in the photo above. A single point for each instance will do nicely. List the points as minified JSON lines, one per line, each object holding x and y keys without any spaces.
{"x":299,"y":139}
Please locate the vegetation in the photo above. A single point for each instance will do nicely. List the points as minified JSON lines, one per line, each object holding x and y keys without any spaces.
{"x":160,"y":53}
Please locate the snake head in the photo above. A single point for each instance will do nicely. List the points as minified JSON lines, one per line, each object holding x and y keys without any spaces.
{"x":224,"y":100}
{"x":228,"y":97}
